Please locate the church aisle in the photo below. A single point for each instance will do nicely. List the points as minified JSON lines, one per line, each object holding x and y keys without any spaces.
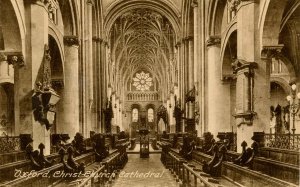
{"x":145,"y":172}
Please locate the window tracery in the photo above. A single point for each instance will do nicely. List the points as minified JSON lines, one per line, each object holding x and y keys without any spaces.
{"x":142,"y":81}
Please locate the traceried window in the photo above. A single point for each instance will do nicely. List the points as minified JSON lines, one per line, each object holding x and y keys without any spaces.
{"x":142,"y":81}
{"x":135,"y":115}
{"x":150,"y":115}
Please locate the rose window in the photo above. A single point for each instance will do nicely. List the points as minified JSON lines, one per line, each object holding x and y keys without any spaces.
{"x":142,"y":81}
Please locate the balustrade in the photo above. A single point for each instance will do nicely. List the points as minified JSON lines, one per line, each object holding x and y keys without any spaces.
{"x":283,"y":141}
{"x":142,"y":96}
{"x":9,"y":144}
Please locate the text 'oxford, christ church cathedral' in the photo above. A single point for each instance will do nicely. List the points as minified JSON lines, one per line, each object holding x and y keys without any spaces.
{"x":149,"y":93}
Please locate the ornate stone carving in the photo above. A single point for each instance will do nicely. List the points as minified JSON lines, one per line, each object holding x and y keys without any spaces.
{"x":233,"y":4}
{"x":271,"y":51}
{"x":71,"y":40}
{"x":228,"y":78}
{"x":90,"y":2}
{"x":187,"y":38}
{"x":97,"y":39}
{"x":190,"y":95}
{"x":194,"y":3}
{"x":242,"y":64}
{"x":213,"y":40}
{"x":16,"y":60}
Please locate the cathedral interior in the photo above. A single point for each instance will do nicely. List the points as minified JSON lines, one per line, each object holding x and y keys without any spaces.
{"x":163,"y":93}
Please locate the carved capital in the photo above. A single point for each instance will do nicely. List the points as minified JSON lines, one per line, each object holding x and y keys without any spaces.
{"x":271,"y":51}
{"x":71,"y":40}
{"x":97,"y":39}
{"x":188,"y":38}
{"x":213,"y":40}
{"x":90,"y":2}
{"x":233,"y":4}
{"x":228,"y":78}
{"x":242,"y":64}
{"x":194,"y":3}
{"x":178,"y":44}
{"x":16,"y":60}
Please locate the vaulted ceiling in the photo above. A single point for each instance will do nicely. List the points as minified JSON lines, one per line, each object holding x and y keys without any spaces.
{"x":290,"y":34}
{"x":142,"y":39}
{"x":107,"y":3}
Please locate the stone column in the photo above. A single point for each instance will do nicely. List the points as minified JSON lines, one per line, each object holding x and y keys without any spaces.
{"x":37,"y":34}
{"x":17,"y":61}
{"x":172,"y":119}
{"x":253,"y":74}
{"x":261,"y":80}
{"x":218,"y":94}
{"x":244,"y":101}
{"x":114,"y":119}
{"x":91,"y":115}
{"x":190,"y":62}
{"x":70,"y":98}
{"x":10,"y":62}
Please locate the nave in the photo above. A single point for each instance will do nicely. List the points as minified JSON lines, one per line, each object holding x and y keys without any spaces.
{"x":209,"y":88}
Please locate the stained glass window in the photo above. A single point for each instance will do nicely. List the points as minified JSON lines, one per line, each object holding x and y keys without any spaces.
{"x":142,"y":81}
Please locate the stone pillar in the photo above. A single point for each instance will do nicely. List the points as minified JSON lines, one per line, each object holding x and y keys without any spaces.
{"x":253,"y":76}
{"x":114,"y":119}
{"x":10,"y":62}
{"x":190,"y":63}
{"x":172,"y":119}
{"x":261,"y":88}
{"x":121,"y":117}
{"x":17,"y":60}
{"x":218,"y":94}
{"x":70,"y":98}
{"x":244,"y":101}
{"x":117,"y":105}
{"x":89,"y":60}
{"x":37,"y":32}
{"x":103,"y":88}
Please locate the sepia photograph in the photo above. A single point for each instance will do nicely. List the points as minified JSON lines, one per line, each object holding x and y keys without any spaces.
{"x":150,"y":93}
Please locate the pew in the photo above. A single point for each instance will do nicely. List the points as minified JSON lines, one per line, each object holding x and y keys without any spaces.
{"x":76,"y":165}
{"x":213,"y":165}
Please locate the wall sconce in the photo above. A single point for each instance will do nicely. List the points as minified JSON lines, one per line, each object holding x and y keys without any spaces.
{"x":115,"y":105}
{"x":170,"y":106}
{"x":45,"y":98}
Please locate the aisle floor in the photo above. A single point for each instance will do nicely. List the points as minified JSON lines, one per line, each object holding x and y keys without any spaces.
{"x":145,"y":172}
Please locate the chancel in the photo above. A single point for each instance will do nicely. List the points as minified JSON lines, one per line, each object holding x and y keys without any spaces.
{"x":149,"y":93}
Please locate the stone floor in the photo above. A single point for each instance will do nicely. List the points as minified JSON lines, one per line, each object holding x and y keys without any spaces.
{"x":136,"y":150}
{"x":145,"y":172}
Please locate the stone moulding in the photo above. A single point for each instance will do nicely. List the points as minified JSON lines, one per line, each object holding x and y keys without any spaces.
{"x":246,"y":116}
